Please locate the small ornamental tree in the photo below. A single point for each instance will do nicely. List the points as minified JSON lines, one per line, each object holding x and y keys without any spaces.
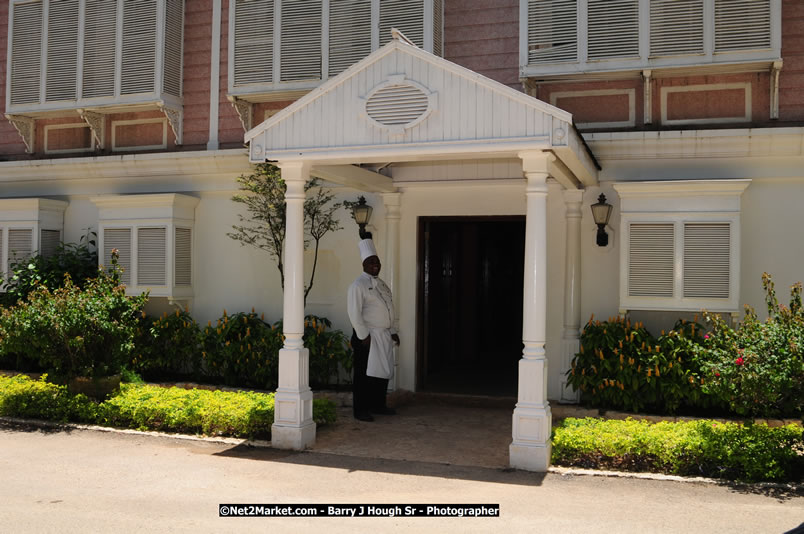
{"x":263,"y":195}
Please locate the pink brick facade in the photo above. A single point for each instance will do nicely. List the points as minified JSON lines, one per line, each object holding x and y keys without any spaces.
{"x":482,"y":36}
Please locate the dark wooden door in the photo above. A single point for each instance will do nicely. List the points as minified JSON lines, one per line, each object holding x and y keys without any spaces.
{"x":471,"y":304}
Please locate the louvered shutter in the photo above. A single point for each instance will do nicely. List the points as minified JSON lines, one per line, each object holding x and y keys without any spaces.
{"x":397,"y":104}
{"x":438,"y":28}
{"x":406,"y":16}
{"x":62,"y":50}
{"x":253,"y":41}
{"x":49,"y":241}
{"x":26,"y":52}
{"x":20,"y":245}
{"x":613,"y":29}
{"x":707,"y":260}
{"x":120,"y":239}
{"x":552,"y":31}
{"x":139,"y":47}
{"x":183,"y":259}
{"x":151,"y":243}
{"x":676,"y":27}
{"x":100,"y":29}
{"x":349,"y":33}
{"x":651,"y":250}
{"x":301,"y":40}
{"x":174,"y":24}
{"x":742,"y":25}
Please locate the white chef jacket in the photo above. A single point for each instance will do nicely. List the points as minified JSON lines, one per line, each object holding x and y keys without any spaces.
{"x":371,"y":311}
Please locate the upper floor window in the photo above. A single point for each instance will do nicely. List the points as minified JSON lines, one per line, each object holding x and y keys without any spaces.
{"x":287,"y":46}
{"x":66,"y":54}
{"x":566,"y":37}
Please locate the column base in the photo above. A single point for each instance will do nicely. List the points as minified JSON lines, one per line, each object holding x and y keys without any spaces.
{"x":531,"y":447}
{"x":296,"y":438}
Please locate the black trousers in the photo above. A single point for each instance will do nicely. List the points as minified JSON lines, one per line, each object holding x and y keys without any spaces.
{"x":368,"y":392}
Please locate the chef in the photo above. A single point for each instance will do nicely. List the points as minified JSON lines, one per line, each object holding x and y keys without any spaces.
{"x":371,"y":311}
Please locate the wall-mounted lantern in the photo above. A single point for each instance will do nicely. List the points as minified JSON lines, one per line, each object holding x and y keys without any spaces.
{"x":601,"y":211}
{"x":362,"y":215}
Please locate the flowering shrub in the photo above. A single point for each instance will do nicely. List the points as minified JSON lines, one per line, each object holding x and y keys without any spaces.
{"x":74,"y":331}
{"x":242,"y":349}
{"x":167,"y":346}
{"x":330,"y":352}
{"x":621,"y":365}
{"x":758,"y":369}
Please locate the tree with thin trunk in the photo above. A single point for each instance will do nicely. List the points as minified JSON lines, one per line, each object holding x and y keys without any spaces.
{"x":263,"y":195}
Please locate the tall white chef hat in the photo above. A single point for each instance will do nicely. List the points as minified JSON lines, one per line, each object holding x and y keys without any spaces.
{"x":367,"y":249}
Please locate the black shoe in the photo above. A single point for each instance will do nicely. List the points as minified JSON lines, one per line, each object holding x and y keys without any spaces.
{"x":364,"y":417}
{"x":384,"y":411}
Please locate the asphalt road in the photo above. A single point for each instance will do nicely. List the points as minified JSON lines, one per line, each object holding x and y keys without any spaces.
{"x":89,"y":481}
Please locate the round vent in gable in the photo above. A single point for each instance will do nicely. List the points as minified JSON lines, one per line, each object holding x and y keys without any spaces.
{"x":398,"y":104}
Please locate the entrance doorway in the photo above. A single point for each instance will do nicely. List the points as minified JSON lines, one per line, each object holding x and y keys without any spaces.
{"x":471,"y":272}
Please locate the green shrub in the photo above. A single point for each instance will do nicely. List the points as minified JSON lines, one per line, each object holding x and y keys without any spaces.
{"x":168,"y":346}
{"x":758,"y":369}
{"x":224,"y":413}
{"x":242,"y":350}
{"x":622,"y":366}
{"x":74,"y":331}
{"x":702,"y":448}
{"x":79,"y":260}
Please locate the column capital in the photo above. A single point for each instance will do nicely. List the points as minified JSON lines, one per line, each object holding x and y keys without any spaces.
{"x":295,"y":169}
{"x":391,"y":199}
{"x":536,"y":161}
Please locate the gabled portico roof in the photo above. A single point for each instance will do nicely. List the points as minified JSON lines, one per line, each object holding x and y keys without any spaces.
{"x":402,"y":103}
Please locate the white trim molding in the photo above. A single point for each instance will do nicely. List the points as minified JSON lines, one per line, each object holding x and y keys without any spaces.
{"x":630,"y":93}
{"x":745,"y":117}
{"x":73,"y":126}
{"x":134,"y":122}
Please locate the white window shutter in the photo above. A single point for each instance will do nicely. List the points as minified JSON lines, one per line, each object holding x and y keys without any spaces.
{"x":174,"y":28}
{"x":552,"y":31}
{"x":183,"y":260}
{"x":438,"y":27}
{"x":707,"y":260}
{"x":20,"y":245}
{"x":301,"y":40}
{"x":139,"y":47}
{"x":151,"y":255}
{"x":120,"y":239}
{"x":613,"y":29}
{"x":651,"y":252}
{"x":100,"y":29}
{"x":676,"y":27}
{"x":406,"y":16}
{"x":742,"y":25}
{"x":349,"y":33}
{"x":253,"y":42}
{"x":49,"y":241}
{"x":62,"y":50}
{"x":26,"y":52}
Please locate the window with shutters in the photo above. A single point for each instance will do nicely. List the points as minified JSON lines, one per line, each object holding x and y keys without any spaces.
{"x":680,"y":245}
{"x":94,"y":54}
{"x":153,"y":235}
{"x":29,"y":226}
{"x":570,"y":38}
{"x":283,"y":48}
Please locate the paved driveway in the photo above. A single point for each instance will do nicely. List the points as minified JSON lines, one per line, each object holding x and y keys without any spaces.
{"x":89,"y":481}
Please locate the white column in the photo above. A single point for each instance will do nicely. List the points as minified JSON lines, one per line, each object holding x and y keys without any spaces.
{"x":570,"y":340}
{"x":390,"y":266}
{"x":214,"y":76}
{"x":532,"y":420}
{"x":293,"y":426}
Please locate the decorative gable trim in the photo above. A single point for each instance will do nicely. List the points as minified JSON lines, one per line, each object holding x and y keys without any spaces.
{"x":398,"y":103}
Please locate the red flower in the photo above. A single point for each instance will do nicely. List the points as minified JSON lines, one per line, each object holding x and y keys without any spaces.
{"x":739,"y":361}
{"x":717,"y":374}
